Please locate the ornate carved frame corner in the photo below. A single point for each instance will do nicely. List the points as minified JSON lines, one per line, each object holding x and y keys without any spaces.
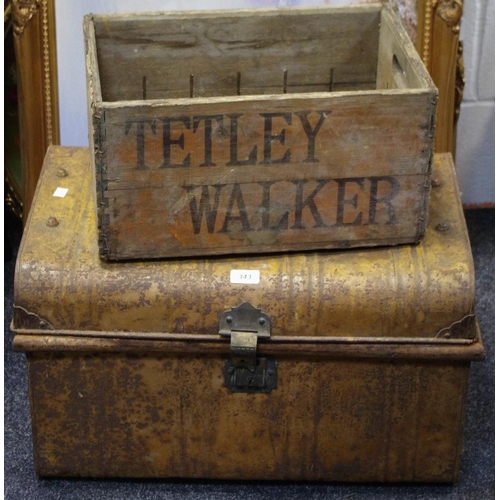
{"x":35,"y":46}
{"x":441,"y":51}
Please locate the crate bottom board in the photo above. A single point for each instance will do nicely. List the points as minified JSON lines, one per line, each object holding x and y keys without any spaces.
{"x":155,"y":415}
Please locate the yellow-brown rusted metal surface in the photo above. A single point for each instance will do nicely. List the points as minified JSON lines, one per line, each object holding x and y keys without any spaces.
{"x":126,"y":365}
{"x":157,"y":414}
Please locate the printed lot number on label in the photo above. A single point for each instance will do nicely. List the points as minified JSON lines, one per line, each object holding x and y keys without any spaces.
{"x":245,"y":276}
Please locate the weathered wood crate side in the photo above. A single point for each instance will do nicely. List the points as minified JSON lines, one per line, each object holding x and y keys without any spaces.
{"x":94,"y":111}
{"x":196,"y":152}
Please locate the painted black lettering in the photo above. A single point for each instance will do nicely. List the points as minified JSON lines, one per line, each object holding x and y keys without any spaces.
{"x":208,"y":119}
{"x":141,"y":163}
{"x":233,"y":145}
{"x":242,"y":217}
{"x":168,"y":141}
{"x":204,"y":207}
{"x":300,"y":204}
{"x":265,"y":209}
{"x":265,"y":206}
{"x":311,"y":134}
{"x":269,"y":137}
{"x":341,"y":201}
{"x":386,"y":200}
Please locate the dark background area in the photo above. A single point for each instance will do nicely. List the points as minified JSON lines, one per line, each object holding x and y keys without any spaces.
{"x":477,"y":472}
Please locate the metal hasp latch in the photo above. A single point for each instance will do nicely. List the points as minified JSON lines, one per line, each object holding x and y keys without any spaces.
{"x":244,"y":371}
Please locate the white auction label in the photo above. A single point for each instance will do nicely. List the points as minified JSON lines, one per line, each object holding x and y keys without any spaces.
{"x":60,"y":192}
{"x":245,"y":276}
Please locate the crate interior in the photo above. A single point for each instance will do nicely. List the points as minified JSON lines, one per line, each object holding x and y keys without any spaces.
{"x":258,"y":53}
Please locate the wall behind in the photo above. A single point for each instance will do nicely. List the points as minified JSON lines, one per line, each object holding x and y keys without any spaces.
{"x":70,"y":52}
{"x":476,"y":126}
{"x":475,"y":140}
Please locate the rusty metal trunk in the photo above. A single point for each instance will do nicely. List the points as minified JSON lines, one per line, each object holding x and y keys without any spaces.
{"x":337,"y":365}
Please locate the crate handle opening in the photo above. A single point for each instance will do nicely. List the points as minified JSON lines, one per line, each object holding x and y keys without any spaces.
{"x":398,"y":74}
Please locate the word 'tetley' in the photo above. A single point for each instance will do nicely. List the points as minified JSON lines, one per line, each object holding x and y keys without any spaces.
{"x":219,"y":124}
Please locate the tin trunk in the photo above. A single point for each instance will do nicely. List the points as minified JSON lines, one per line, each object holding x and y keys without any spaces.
{"x":345,"y":365}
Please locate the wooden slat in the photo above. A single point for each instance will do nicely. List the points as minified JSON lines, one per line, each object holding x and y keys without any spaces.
{"x":354,"y":130}
{"x":168,"y":49}
{"x":398,"y":61}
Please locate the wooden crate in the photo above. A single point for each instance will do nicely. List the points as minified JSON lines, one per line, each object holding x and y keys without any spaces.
{"x":257,"y":131}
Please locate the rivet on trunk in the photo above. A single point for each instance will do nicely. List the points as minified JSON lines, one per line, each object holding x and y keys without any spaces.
{"x":52,"y":222}
{"x":442,"y":226}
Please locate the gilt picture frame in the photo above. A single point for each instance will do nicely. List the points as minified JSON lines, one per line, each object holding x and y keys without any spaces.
{"x":34,"y":31}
